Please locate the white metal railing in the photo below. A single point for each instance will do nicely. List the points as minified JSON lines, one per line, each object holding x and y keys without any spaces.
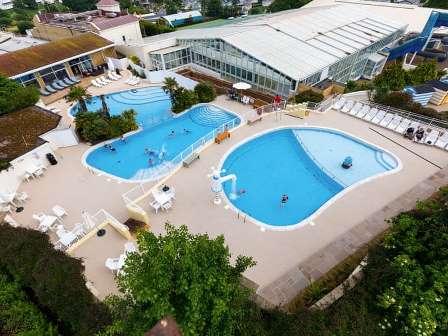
{"x":165,"y":168}
{"x":271,"y":107}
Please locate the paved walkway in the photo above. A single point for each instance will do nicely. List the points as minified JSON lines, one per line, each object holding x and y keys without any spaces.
{"x":286,"y":261}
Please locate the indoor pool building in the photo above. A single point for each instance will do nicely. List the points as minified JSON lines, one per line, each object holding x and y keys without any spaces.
{"x":277,"y":52}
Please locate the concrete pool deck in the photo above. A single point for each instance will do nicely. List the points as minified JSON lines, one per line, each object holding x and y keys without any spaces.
{"x":286,"y":261}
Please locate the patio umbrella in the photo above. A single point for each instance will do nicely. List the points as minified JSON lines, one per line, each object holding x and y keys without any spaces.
{"x":241,"y":86}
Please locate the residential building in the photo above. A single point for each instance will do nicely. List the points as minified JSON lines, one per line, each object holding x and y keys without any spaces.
{"x":277,"y":52}
{"x":179,"y":19}
{"x":9,"y":4}
{"x":107,"y":21}
{"x":42,"y":64}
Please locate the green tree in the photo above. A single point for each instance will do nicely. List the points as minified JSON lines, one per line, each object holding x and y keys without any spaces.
{"x":205,"y":92}
{"x":170,"y":85}
{"x":18,"y":315}
{"x":393,"y":77}
{"x":79,"y":95}
{"x":151,"y":29}
{"x":14,"y":96}
{"x":25,"y":4}
{"x":308,"y":96}
{"x":424,"y":72}
{"x":23,"y":26}
{"x":183,"y":99}
{"x":280,"y":5}
{"x":187,"y":276}
{"x":135,"y":60}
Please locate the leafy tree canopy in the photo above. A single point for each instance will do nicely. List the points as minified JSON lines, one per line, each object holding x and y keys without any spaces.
{"x":80,"y":5}
{"x":14,"y":96}
{"x":280,"y":5}
{"x":308,"y":96}
{"x":187,"y":276}
{"x":205,"y":92}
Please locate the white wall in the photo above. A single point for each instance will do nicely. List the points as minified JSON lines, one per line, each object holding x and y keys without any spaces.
{"x":159,"y":77}
{"x":59,"y":138}
{"x":10,"y":180}
{"x":115,"y":63}
{"x":131,"y":31}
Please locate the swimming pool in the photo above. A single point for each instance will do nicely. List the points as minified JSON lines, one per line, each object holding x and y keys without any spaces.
{"x":304,"y":164}
{"x":152,"y":105}
{"x":164,"y":141}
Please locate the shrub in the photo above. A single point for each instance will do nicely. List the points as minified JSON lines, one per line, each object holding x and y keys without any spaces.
{"x":205,"y":92}
{"x":14,"y":96}
{"x":5,"y":21}
{"x":23,"y":26}
{"x":150,"y":29}
{"x":19,"y":316}
{"x":183,"y":99}
{"x":308,"y":96}
{"x":97,"y":126}
{"x":55,"y":279}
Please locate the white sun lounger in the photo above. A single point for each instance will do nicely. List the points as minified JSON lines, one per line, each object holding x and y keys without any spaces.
{"x":431,"y":137}
{"x":348,"y":106}
{"x":442,"y":141}
{"x":105,"y":80}
{"x":355,"y":109}
{"x":378,"y":117}
{"x":363,"y":111}
{"x":386,"y":120}
{"x":338,"y":105}
{"x":96,"y":84}
{"x":369,"y":116}
{"x":395,"y":122}
{"x":403,"y":126}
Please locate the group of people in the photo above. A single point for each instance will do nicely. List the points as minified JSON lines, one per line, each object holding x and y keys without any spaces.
{"x":154,"y":155}
{"x":185,"y":131}
{"x":412,"y":134}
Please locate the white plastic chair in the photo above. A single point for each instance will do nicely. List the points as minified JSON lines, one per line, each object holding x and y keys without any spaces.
{"x":11,"y":221}
{"x":5,"y":208}
{"x":364,"y":111}
{"x":167,"y":206}
{"x":348,"y":106}
{"x":386,"y":120}
{"x":442,"y":141}
{"x":155,"y":205}
{"x":130,"y":247}
{"x":22,"y":197}
{"x":355,"y":109}
{"x":338,"y":105}
{"x":112,"y":264}
{"x":378,"y":117}
{"x":59,"y":211}
{"x":431,"y":137}
{"x":395,"y":122}
{"x":40,"y":216}
{"x":39,"y":172}
{"x":78,"y":230}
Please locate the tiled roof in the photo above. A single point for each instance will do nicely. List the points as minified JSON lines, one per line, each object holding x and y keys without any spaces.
{"x":24,"y":60}
{"x":106,"y":23}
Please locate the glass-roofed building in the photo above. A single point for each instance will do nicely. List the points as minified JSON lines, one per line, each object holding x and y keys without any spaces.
{"x":276,"y":52}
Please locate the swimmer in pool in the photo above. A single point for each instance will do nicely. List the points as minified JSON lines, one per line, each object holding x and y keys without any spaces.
{"x":284,"y":200}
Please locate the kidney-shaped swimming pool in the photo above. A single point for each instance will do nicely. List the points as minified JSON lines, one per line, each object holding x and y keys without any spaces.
{"x":304,"y":167}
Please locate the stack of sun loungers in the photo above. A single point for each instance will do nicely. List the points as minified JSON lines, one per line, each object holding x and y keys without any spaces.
{"x":59,"y":84}
{"x":133,"y":81}
{"x":393,"y":121}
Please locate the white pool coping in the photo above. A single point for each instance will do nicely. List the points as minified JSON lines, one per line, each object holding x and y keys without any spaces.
{"x":308,"y":220}
{"x":100,"y":172}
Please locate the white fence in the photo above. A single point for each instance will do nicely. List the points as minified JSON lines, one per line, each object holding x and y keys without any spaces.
{"x":159,"y":77}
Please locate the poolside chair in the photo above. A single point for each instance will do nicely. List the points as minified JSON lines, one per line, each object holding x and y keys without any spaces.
{"x":115,"y":73}
{"x":59,"y":211}
{"x":386,"y":120}
{"x":355,"y":109}
{"x":78,"y":230}
{"x":339,"y":104}
{"x":67,"y":81}
{"x":101,"y":82}
{"x":63,"y":84}
{"x":50,"y":89}
{"x":378,"y":117}
{"x":403,"y":126}
{"x":348,"y":106}
{"x":96,"y":84}
{"x":155,"y":205}
{"x":11,"y":221}
{"x":74,"y":79}
{"x":21,"y":197}
{"x":136,"y":81}
{"x":363,"y":111}
{"x":56,"y":86}
{"x":44,"y":92}
{"x":105,"y":80}
{"x":40,"y":216}
{"x":112,"y":264}
{"x":168,"y":205}
{"x":442,"y":141}
{"x":112,"y":76}
{"x":395,"y":122}
{"x":130,"y":247}
{"x":369,"y":116}
{"x":5,"y":208}
{"x":55,"y":110}
{"x":431,"y":137}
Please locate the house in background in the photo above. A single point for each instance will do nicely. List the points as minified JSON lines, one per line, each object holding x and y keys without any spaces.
{"x":420,"y":93}
{"x":108,"y":21}
{"x":179,"y":19}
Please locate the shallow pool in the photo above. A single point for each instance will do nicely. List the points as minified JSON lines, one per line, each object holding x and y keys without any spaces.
{"x":302,"y":163}
{"x":152,"y":105}
{"x":156,"y":149}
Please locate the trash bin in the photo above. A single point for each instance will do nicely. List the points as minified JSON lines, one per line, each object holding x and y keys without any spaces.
{"x":51,"y":159}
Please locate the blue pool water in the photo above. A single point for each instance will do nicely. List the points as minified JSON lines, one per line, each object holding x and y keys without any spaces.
{"x":303,"y":163}
{"x":152,"y":105}
{"x":129,"y":160}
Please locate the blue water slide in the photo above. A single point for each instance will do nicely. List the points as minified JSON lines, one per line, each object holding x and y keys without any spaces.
{"x":416,"y":44}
